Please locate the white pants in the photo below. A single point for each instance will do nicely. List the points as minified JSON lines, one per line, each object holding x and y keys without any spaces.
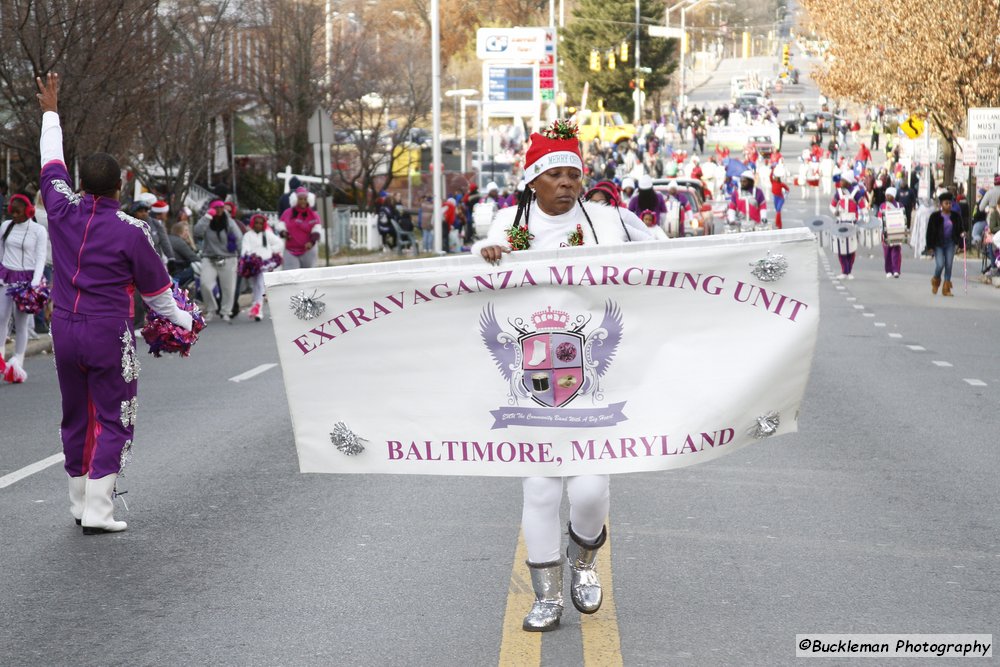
{"x":257,"y":285}
{"x":226,"y":275}
{"x":589,"y":501}
{"x":306,"y":260}
{"x":22,"y":321}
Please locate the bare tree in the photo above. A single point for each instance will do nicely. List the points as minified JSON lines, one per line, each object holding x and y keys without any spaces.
{"x":98,"y":50}
{"x":382,"y":96}
{"x":290,"y":80}
{"x":192,"y":85}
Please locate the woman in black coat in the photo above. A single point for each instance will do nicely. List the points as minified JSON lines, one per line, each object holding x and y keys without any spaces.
{"x":945,"y":232}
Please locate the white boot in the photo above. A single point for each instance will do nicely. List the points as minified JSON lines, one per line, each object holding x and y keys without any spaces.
{"x":77,"y":492}
{"x":99,"y":507}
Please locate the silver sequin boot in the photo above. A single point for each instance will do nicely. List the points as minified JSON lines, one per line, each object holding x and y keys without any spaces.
{"x":585,"y":588}
{"x":547,"y":582}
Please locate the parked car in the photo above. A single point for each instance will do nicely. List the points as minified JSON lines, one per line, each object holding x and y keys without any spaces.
{"x":609,"y":126}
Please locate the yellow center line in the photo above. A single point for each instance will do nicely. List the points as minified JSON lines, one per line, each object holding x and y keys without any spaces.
{"x":601,"y":640}
{"x":518,"y":647}
{"x":602,"y":645}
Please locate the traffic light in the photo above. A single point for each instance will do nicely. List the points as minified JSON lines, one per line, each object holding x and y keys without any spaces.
{"x":786,"y":55}
{"x":641,"y":83}
{"x":624,"y":52}
{"x":595,"y":60}
{"x":611,"y":59}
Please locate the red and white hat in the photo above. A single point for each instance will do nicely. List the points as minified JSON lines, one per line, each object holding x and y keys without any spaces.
{"x":558,"y":146}
{"x":160,"y":206}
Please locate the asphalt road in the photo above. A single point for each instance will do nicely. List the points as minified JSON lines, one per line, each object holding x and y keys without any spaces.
{"x":879,"y":516}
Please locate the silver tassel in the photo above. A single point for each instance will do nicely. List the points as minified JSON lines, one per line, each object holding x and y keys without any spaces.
{"x":346,"y":440}
{"x":770,"y":269}
{"x":765,"y":426}
{"x":307,"y":307}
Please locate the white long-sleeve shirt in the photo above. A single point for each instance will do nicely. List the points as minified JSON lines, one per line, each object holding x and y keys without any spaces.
{"x":263,"y":245}
{"x":25,"y":249}
{"x":552,"y":231}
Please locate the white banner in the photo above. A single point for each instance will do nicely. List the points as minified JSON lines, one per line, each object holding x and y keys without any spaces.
{"x":598,"y":359}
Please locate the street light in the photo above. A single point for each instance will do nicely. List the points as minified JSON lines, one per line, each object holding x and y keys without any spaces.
{"x":462,"y":93}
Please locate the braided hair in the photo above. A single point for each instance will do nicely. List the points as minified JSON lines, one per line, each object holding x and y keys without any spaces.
{"x":524,"y":209}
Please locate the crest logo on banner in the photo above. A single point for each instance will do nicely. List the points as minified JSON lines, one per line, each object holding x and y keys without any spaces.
{"x":552,"y":360}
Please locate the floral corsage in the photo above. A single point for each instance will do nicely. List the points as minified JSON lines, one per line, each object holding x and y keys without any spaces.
{"x":519,"y":238}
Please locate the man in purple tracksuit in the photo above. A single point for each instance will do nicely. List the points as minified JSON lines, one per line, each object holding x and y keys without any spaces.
{"x":101,"y":256}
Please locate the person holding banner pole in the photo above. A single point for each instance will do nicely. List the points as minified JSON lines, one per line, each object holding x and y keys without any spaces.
{"x":551,"y":215}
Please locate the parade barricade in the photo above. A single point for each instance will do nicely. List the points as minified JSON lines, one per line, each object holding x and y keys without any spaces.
{"x":602,"y":359}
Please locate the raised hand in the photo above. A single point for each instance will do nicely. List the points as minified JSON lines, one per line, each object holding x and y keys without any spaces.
{"x":48,"y":92}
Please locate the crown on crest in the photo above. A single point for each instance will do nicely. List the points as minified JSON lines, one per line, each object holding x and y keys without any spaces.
{"x":550,"y":319}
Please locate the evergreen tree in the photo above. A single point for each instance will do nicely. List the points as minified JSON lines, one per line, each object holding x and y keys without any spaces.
{"x":604,"y":26}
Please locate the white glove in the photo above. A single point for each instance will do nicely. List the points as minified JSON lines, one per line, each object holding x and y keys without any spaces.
{"x":763,"y":217}
{"x":731,"y":215}
{"x":35,"y":284}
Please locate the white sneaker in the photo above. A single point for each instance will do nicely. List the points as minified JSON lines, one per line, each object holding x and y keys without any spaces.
{"x":841,"y":276}
{"x":850,"y":276}
{"x":895,"y":275}
{"x":888,"y":275}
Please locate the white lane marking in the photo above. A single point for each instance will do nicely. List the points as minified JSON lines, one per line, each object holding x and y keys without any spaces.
{"x":253,"y":372}
{"x":858,"y":307}
{"x":894,"y":335}
{"x":852,"y":298}
{"x":841,"y":287}
{"x":18,"y":475}
{"x":880,"y":324}
{"x":974,"y":382}
{"x":917,"y":348}
{"x":942,"y":364}
{"x":868,"y":314}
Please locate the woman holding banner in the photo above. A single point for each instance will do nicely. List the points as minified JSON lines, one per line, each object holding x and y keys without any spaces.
{"x":550,"y":215}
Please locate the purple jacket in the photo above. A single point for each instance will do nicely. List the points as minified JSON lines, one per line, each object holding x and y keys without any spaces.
{"x":100,"y":255}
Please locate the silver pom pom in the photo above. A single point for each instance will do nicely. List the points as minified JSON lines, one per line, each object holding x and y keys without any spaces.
{"x":769,"y":269}
{"x":346,"y":440}
{"x":765,"y":426}
{"x":307,"y":307}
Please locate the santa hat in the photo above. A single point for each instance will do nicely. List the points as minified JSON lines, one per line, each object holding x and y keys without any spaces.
{"x":556,"y":147}
{"x":160,"y":206}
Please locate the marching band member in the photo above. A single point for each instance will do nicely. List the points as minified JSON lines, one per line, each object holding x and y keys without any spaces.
{"x":848,"y":203}
{"x":893,"y":252}
{"x":748,"y":200}
{"x":550,"y":215}
{"x":101,"y":256}
{"x":23,"y":251}
{"x":677,"y":213}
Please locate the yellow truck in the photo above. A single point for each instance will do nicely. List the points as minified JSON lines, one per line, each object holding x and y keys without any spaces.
{"x":608,"y":126}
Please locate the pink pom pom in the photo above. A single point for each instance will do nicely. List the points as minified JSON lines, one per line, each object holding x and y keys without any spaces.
{"x":163,"y":336}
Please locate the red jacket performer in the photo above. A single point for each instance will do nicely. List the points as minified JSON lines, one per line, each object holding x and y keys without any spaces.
{"x":101,"y":256}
